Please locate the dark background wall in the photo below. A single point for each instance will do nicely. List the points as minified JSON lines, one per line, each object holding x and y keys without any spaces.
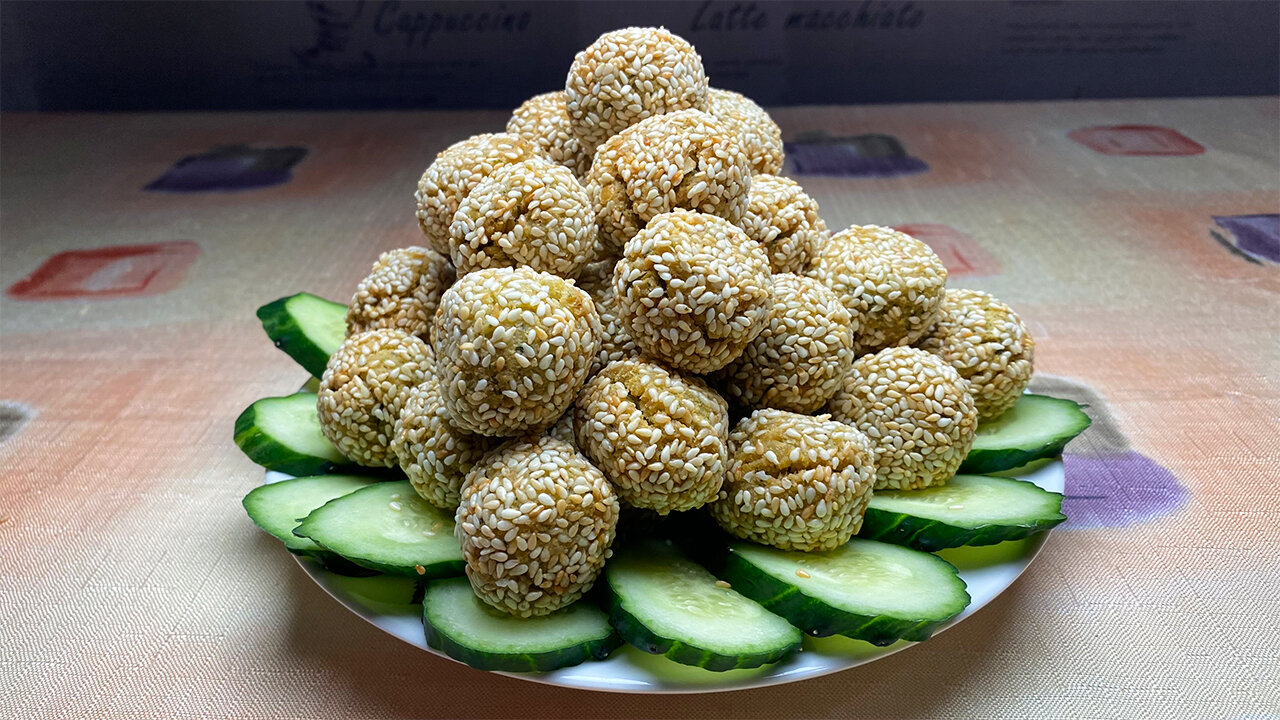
{"x":404,"y":54}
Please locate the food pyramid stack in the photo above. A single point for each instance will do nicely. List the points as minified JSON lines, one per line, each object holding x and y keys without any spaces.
{"x":603,"y":289}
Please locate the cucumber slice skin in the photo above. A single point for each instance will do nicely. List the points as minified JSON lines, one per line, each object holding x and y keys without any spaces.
{"x":434,"y":571}
{"x":984,"y":460}
{"x":271,"y":454}
{"x":263,"y":517}
{"x":981,"y":461}
{"x":637,"y":633}
{"x":528,"y":662}
{"x":594,"y":649}
{"x":288,"y":334}
{"x":444,"y":568}
{"x":816,"y":617}
{"x":929,"y":534}
{"x":335,"y":563}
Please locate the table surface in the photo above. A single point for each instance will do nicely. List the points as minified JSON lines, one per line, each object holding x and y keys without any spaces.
{"x":1138,"y":238}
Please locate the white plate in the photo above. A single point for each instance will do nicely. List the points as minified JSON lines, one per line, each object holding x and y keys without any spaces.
{"x":988,"y":571}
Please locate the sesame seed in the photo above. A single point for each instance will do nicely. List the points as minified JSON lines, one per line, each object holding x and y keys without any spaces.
{"x":864,"y":265}
{"x":532,"y":213}
{"x":652,"y":167}
{"x":609,"y":89}
{"x":719,"y":275}
{"x":658,"y":436}
{"x":784,"y":367}
{"x":455,"y":173}
{"x":547,"y":560}
{"x":988,"y":345}
{"x":899,"y":397}
{"x":540,"y":376}
{"x":363,"y":389}
{"x":815,"y":502}
{"x":543,"y":121}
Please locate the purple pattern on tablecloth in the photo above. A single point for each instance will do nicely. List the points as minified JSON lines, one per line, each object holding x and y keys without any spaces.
{"x":1118,"y":490}
{"x":1257,"y":236}
{"x":230,"y":168}
{"x":1108,"y":483}
{"x":874,"y":155}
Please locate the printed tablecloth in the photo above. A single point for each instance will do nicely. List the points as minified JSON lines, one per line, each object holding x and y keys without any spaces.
{"x":1140,"y":240}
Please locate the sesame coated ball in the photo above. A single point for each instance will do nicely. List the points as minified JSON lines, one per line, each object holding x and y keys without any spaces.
{"x":543,"y":121}
{"x":658,"y":437}
{"x":364,"y":388}
{"x":761,"y":137}
{"x":535,"y":523}
{"x":797,"y":362}
{"x":455,"y":173}
{"x":435,"y":455}
{"x":917,"y":411}
{"x":532,"y":213}
{"x":628,"y":75}
{"x":891,"y":283}
{"x":513,"y":348}
{"x":693,"y":290}
{"x":988,"y":344}
{"x":784,"y":220}
{"x":684,"y":160}
{"x":402,"y":291}
{"x":795,"y":482}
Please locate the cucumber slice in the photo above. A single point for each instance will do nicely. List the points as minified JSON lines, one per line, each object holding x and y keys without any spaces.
{"x":667,"y":605}
{"x":277,"y":508}
{"x":968,"y":510}
{"x":464,"y":628}
{"x":864,"y":589}
{"x":1036,"y":426}
{"x":306,"y":327}
{"x":283,"y":433}
{"x":387,"y":527}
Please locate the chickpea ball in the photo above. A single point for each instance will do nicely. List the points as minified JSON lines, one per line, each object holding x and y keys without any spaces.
{"x":761,"y":137}
{"x":685,"y":160}
{"x":435,"y":455}
{"x":988,"y":344}
{"x":798,"y":361}
{"x":693,"y":290}
{"x":784,"y":220}
{"x":795,"y":482}
{"x":628,"y":75}
{"x":401,"y":292}
{"x":658,"y":437}
{"x":364,"y":388}
{"x":532,"y":213}
{"x":543,"y":121}
{"x":455,"y":173}
{"x":917,"y":411}
{"x":535,"y":522}
{"x":891,"y":283}
{"x":513,"y":348}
